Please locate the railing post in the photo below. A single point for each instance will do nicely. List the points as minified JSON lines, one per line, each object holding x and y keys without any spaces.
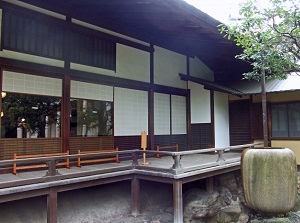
{"x":177,"y":166}
{"x":135,"y":158}
{"x":52,"y":168}
{"x":221,"y":156}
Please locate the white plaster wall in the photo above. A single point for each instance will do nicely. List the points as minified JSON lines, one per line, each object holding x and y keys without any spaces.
{"x":167,"y":66}
{"x":200,"y":104}
{"x":200,"y":70}
{"x":221,"y":120}
{"x":162,"y":114}
{"x":130,"y":112}
{"x":133,"y":63}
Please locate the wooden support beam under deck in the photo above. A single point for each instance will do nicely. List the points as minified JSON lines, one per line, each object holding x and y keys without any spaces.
{"x":209,"y":184}
{"x":135,"y":195}
{"x":177,"y":201}
{"x":52,"y":205}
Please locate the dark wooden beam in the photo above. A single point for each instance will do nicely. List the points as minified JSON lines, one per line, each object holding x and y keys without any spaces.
{"x":212,"y":117}
{"x":65,"y":113}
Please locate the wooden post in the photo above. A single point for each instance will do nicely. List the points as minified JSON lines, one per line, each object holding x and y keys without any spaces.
{"x":135,"y":195}
{"x":177,"y":201}
{"x":52,"y":205}
{"x":209,"y":184}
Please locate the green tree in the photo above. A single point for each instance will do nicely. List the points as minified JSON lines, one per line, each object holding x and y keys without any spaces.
{"x":270,"y":39}
{"x":33,"y":109}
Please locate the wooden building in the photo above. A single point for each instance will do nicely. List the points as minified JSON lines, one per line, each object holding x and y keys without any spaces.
{"x":283,"y":112}
{"x":94,"y":74}
{"x":97,"y":73}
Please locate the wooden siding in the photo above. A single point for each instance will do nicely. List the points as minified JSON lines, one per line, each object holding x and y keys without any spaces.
{"x":256,"y":121}
{"x":28,"y":34}
{"x":91,"y":143}
{"x":41,"y":35}
{"x":128,"y":142}
{"x":239,"y":122}
{"x":93,"y":51}
{"x":201,"y":135}
{"x":28,"y":146}
{"x":170,"y":140}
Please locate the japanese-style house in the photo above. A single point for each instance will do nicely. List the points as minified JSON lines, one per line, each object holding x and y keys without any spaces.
{"x":94,"y":74}
{"x":109,"y":70}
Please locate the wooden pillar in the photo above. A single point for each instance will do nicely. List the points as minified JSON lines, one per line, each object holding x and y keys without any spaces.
{"x":177,"y":201}
{"x":135,"y":196}
{"x":212,"y":117}
{"x":151,"y":102}
{"x":151,"y":119}
{"x":52,"y":205}
{"x":209,"y":184}
{"x":65,"y":114}
{"x":188,"y":120}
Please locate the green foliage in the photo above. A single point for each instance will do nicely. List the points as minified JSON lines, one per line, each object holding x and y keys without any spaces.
{"x":269,"y":37}
{"x":32,"y":108}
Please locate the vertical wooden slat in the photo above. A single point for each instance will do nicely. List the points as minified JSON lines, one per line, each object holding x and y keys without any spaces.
{"x":52,"y":205}
{"x":177,"y":201}
{"x":65,"y":122}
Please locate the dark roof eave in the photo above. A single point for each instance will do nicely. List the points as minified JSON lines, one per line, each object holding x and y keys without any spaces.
{"x":209,"y":85}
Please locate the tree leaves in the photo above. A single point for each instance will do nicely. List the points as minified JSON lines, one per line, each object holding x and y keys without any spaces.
{"x":269,"y":37}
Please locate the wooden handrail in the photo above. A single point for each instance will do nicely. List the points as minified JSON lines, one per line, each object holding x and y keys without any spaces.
{"x":134,"y":153}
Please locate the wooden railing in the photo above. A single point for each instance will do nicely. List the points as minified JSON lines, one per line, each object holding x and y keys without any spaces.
{"x":175,"y":168}
{"x":177,"y":156}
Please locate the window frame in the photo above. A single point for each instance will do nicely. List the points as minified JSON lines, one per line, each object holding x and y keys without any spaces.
{"x":287,"y":120}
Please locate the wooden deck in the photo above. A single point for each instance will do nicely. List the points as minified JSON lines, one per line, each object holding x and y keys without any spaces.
{"x":158,"y":169}
{"x":175,"y":168}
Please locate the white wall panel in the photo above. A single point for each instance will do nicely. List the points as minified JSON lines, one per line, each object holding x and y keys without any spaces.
{"x":178,"y":114}
{"x":221,"y":120}
{"x":130,"y":112}
{"x":167,"y":66}
{"x":200,"y":104}
{"x":91,"y":91}
{"x":200,"y":70}
{"x":31,"y":84}
{"x":133,"y":63}
{"x":162,"y":114}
